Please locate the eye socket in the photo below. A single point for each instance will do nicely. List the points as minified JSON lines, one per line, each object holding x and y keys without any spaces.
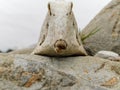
{"x":52,"y":14}
{"x":67,"y":14}
{"x":47,"y":25}
{"x":73,"y":24}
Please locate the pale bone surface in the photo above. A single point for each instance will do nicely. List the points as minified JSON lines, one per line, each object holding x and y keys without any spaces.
{"x":59,"y":33}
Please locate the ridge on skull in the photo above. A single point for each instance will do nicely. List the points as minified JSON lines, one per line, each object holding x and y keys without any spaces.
{"x":59,"y":34}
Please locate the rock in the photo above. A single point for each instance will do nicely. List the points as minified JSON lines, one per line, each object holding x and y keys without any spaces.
{"x":31,"y":72}
{"x":9,"y":50}
{"x":108,"y":37}
{"x":117,"y":59}
{"x":89,"y":52}
{"x":27,"y":50}
{"x":59,"y":34}
{"x":106,"y":54}
{"x":23,"y":51}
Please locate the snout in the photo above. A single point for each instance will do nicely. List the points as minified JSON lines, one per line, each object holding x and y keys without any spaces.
{"x":60,"y":45}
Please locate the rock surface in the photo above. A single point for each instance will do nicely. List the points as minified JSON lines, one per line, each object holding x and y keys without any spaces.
{"x":106,"y":54}
{"x":30,"y":72}
{"x":28,"y":50}
{"x":108,"y":37}
{"x":23,"y":51}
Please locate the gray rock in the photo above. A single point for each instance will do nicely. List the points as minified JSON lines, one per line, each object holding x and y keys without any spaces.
{"x":27,"y":50}
{"x":106,"y":54}
{"x":30,"y":72}
{"x":108,"y":37}
{"x":22,"y":51}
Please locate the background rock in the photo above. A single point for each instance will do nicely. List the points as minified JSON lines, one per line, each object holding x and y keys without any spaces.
{"x":27,"y":50}
{"x":22,"y":51}
{"x":9,"y":50}
{"x":30,"y":72}
{"x":108,"y":37}
{"x":106,"y":54}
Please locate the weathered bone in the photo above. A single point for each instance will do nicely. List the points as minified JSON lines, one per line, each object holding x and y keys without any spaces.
{"x":59,"y":34}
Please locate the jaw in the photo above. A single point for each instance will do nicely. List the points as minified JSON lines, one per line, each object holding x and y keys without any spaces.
{"x":69,"y":49}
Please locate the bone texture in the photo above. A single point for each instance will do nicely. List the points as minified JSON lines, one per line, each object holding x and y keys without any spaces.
{"x":59,"y":34}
